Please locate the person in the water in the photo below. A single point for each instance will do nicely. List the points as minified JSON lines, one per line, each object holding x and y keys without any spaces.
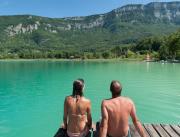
{"x":77,"y":112}
{"x":115,"y":114}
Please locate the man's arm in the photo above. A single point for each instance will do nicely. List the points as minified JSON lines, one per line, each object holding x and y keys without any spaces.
{"x":136,"y":122}
{"x":104,"y":121}
{"x":89,"y":117}
{"x":65,"y":114}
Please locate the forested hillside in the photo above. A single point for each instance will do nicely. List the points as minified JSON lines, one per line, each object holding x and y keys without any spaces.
{"x":96,"y":36}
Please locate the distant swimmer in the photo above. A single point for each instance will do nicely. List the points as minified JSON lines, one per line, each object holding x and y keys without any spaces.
{"x":77,"y":112}
{"x":115,"y":114}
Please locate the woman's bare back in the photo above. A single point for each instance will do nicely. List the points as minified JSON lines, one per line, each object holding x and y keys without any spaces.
{"x":77,"y":108}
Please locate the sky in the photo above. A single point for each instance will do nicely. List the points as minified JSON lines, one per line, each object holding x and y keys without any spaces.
{"x":64,"y":8}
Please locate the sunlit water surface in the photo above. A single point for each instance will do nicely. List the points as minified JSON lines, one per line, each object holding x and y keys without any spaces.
{"x":32,"y":92}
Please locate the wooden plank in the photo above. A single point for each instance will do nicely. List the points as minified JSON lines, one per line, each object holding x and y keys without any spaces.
{"x":169,"y":130}
{"x":152,"y":132}
{"x":147,"y":134}
{"x":160,"y":130}
{"x":133,"y":131}
{"x":176,"y":128}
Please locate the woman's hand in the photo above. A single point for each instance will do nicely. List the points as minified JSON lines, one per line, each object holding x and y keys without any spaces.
{"x":63,"y":126}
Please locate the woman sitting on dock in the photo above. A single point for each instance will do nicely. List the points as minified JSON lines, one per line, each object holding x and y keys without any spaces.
{"x":77,"y":112}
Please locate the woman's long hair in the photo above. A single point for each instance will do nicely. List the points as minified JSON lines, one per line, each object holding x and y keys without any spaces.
{"x":78,"y":86}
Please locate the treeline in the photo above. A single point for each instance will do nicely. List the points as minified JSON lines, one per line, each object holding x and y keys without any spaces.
{"x":163,"y":48}
{"x":167,"y":47}
{"x":159,"y":48}
{"x":53,"y":54}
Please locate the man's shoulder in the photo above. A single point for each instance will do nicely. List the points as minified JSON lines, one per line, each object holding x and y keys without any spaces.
{"x":109,"y":100}
{"x":105,"y":102}
{"x":129,"y":100}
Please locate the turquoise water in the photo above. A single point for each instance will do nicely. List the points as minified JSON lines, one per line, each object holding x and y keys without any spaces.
{"x":32,"y":92}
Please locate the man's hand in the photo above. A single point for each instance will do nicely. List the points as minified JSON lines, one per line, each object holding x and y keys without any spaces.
{"x":136,"y":122}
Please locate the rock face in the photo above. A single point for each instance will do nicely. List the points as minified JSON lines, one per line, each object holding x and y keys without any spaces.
{"x":99,"y":22}
{"x":158,"y":12}
{"x":150,"y":13}
{"x":20,"y":28}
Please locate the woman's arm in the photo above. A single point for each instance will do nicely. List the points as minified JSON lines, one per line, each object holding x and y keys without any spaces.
{"x":65,"y":113}
{"x":89,"y":117}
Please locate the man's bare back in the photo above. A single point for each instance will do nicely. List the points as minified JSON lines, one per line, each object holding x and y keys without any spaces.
{"x":115,"y":114}
{"x":118,"y":110}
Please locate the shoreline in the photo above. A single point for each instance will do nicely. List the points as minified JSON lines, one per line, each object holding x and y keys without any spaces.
{"x":76,"y":60}
{"x":89,"y":60}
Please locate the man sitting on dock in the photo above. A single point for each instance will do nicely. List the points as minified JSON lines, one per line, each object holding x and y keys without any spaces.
{"x":115,"y":114}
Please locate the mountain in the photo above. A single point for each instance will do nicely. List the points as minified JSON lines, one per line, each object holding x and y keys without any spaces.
{"x":120,"y":27}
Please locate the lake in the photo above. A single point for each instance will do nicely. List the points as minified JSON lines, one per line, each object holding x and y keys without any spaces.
{"x":32,"y":92}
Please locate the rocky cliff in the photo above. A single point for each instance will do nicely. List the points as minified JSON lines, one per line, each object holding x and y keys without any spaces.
{"x":124,"y":25}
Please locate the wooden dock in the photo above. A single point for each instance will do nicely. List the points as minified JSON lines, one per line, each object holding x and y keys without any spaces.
{"x":151,"y":130}
{"x":157,"y":130}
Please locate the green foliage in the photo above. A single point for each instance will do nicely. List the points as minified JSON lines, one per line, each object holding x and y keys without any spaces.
{"x":173,"y":44}
{"x":164,"y":52}
{"x":117,"y":37}
{"x":151,"y":44}
{"x":130,"y":54}
{"x":164,"y":47}
{"x":106,"y":55}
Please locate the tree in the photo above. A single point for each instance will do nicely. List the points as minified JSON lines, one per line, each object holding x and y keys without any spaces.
{"x":117,"y":51}
{"x":130,"y":54}
{"x":164,"y":52}
{"x":174,"y":44}
{"x":106,"y":55}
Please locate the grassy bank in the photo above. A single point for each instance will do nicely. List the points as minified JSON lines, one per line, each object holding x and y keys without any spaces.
{"x":112,"y":59}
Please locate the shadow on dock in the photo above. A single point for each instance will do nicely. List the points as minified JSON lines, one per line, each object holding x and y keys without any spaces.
{"x":157,"y":130}
{"x":62,"y":133}
{"x":151,"y":130}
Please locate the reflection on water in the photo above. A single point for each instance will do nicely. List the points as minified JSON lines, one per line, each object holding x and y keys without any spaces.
{"x":32,"y":92}
{"x":147,"y":65}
